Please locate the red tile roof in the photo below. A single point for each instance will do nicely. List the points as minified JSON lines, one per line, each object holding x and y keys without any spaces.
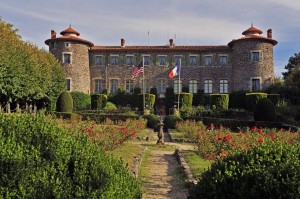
{"x":70,"y":31}
{"x":251,"y":37}
{"x":70,"y":38}
{"x":159,"y":48}
{"x":252,"y":30}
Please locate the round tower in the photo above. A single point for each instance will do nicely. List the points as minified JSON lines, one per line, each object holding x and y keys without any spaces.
{"x":73,"y":53}
{"x":252,"y":60}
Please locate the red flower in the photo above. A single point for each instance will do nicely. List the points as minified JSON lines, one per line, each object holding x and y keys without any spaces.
{"x":254,"y":128}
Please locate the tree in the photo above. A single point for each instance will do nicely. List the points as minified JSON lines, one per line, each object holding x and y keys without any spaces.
{"x":294,"y":61}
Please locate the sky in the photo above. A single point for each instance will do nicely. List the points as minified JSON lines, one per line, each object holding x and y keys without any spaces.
{"x":192,"y":22}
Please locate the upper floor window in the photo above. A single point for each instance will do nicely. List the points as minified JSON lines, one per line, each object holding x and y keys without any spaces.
{"x":68,"y":84}
{"x":255,"y":84}
{"x":223,"y":60}
{"x":146,"y":60}
{"x":161,"y":86}
{"x":177,"y":60}
{"x":67,"y":44}
{"x":113,"y":86}
{"x":162,"y":60}
{"x":177,"y":86}
{"x":223,"y":86}
{"x":67,"y":58}
{"x":193,"y":86}
{"x":208,"y":86}
{"x":208,"y":60}
{"x":114,"y":60}
{"x":98,"y":60}
{"x":129,"y":86}
{"x":129,"y":60}
{"x":256,"y":56}
{"x":98,"y":86}
{"x":193,"y":60}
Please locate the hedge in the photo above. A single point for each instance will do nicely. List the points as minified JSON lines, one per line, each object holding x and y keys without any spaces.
{"x":237,"y":99}
{"x":81,"y":101}
{"x":274,"y":98}
{"x":98,"y":101}
{"x":252,"y":99}
{"x":186,"y":99}
{"x":264,"y":110}
{"x":64,"y":102}
{"x":149,"y":100}
{"x":221,"y":101}
{"x":100,"y":118}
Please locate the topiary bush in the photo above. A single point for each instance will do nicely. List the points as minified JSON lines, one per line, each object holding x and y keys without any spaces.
{"x":264,"y":110}
{"x":169,"y":97}
{"x":152,"y":121}
{"x":186,"y":99}
{"x":253,"y":98}
{"x":221,"y":101}
{"x":81,"y":101}
{"x":149,"y":100}
{"x":98,"y":101}
{"x":110,"y":106}
{"x":64,"y":103}
{"x":39,"y":159}
{"x":170,"y":122}
{"x":268,"y":171}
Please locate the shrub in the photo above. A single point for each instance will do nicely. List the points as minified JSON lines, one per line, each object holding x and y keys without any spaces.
{"x":64,"y":102}
{"x":42,"y":160}
{"x":152,"y":121}
{"x":110,"y":106}
{"x":187,"y":111}
{"x":264,"y":110}
{"x":186,"y":99}
{"x":170,"y":97}
{"x":170,"y":122}
{"x":252,"y":99}
{"x":237,"y":99}
{"x":98,"y":101}
{"x":268,"y":171}
{"x":81,"y":101}
{"x":221,"y":101}
{"x":274,"y":98}
{"x":153,"y":91}
{"x":185,"y":89}
{"x":149,"y":100}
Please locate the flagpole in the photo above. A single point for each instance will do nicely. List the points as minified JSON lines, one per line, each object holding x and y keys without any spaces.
{"x":143,"y":86}
{"x":179,"y":82}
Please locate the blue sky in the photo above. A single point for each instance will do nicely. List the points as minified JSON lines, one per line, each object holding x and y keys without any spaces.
{"x":195,"y":22}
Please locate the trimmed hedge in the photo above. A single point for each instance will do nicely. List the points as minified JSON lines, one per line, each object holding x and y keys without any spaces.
{"x":81,"y":101}
{"x":98,"y":101}
{"x":253,"y":98}
{"x":100,"y":118}
{"x":270,"y":170}
{"x":221,"y":101}
{"x":265,"y":110}
{"x":274,"y":98}
{"x":152,"y":121}
{"x":170,"y":122}
{"x":169,"y":98}
{"x":64,"y":102}
{"x":149,"y":100}
{"x":186,"y":99}
{"x":237,"y":99}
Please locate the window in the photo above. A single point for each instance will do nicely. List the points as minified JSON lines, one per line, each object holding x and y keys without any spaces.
{"x":193,"y":86}
{"x":129,"y":86}
{"x":114,"y":60}
{"x":177,"y":60}
{"x":67,"y":44}
{"x":208,"y":60}
{"x":162,"y":60}
{"x":67,"y":58}
{"x":255,"y":84}
{"x":208,"y":86}
{"x":98,"y":60}
{"x":146,"y":60}
{"x":129,"y":60}
{"x":223,"y":60}
{"x":98,"y":86}
{"x":193,"y":60}
{"x":256,"y":56}
{"x":113,"y":86}
{"x":68,"y":82}
{"x":223,"y":86}
{"x":177,"y":86}
{"x":147,"y":86}
{"x":161,"y":86}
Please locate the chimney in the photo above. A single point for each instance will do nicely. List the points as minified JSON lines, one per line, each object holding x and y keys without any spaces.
{"x":171,"y":42}
{"x":53,"y":34}
{"x":269,"y":33}
{"x":122,"y":42}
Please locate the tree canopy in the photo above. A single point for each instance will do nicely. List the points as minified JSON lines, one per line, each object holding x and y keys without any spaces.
{"x":294,"y":61}
{"x":27,"y":73}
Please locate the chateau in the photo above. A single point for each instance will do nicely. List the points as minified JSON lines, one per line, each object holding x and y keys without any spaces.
{"x":246,"y":64}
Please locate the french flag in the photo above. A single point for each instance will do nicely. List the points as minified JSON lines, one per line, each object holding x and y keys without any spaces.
{"x":175,"y":71}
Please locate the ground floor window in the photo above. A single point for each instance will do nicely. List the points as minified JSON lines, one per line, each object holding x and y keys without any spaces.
{"x":98,"y":86}
{"x":208,"y":86}
{"x":129,"y":86}
{"x":193,"y":86}
{"x":177,"y":86}
{"x":255,"y":84}
{"x":223,"y":86}
{"x":113,"y":86}
{"x":161,"y":86}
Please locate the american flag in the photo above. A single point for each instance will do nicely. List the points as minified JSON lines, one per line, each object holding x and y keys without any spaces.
{"x":137,"y":70}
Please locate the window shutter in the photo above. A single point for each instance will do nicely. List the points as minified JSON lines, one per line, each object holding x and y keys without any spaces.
{"x":198,"y":60}
{"x":109,"y":60}
{"x":202,"y":60}
{"x":183,"y":61}
{"x":151,"y":60}
{"x":167,"y":60}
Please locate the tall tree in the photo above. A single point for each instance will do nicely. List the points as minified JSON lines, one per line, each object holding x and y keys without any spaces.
{"x":294,"y":61}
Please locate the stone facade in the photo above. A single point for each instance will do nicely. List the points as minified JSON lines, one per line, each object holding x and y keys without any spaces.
{"x":244,"y":64}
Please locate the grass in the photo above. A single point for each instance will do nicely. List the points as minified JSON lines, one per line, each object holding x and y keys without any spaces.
{"x":196,"y":163}
{"x":144,"y":168}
